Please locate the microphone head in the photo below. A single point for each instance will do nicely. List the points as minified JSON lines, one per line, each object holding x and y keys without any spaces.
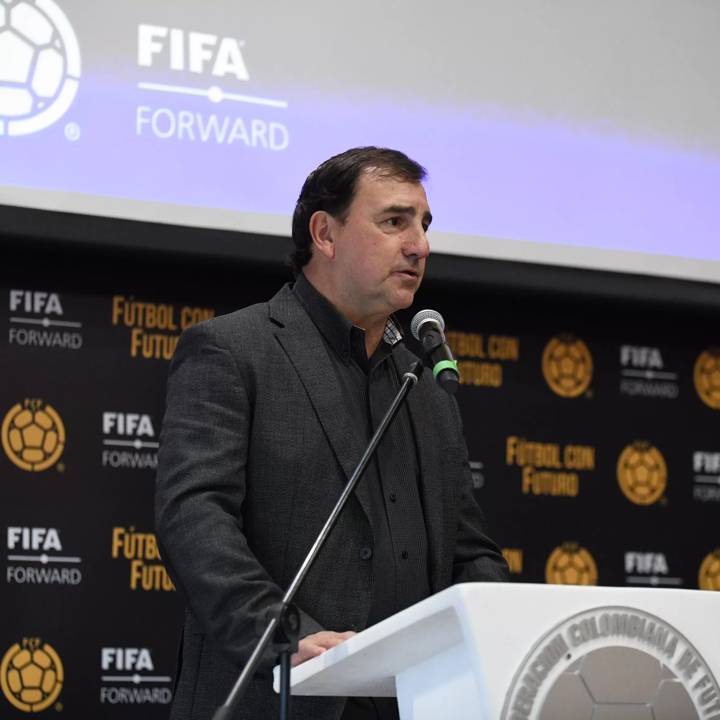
{"x":426,"y":316}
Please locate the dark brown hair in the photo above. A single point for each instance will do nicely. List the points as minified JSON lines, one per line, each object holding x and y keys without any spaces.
{"x":331,"y":187}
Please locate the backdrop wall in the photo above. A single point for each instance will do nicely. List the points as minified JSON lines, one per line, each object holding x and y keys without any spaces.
{"x":592,"y":429}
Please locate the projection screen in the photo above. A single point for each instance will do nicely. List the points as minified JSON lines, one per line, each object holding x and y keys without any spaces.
{"x":571,"y":133}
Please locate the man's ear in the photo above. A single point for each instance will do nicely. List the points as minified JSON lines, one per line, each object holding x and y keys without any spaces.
{"x":322,"y":226}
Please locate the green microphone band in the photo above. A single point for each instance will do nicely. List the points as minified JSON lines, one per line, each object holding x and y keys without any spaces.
{"x":445,"y":365}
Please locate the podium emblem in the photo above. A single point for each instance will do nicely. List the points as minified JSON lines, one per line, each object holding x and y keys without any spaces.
{"x":612,"y":662}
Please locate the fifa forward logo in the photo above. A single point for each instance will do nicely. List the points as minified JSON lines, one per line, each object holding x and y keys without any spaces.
{"x":40,"y":66}
{"x":33,"y":435}
{"x":132,"y":666}
{"x":31,"y":675}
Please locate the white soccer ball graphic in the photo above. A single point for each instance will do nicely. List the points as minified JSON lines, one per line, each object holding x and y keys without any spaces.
{"x":39,"y":65}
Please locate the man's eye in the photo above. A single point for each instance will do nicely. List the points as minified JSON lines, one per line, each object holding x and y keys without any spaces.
{"x":393,"y":221}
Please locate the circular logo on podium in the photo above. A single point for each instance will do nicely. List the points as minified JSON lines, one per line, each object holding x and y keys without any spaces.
{"x":612,"y":662}
{"x":567,"y":366}
{"x":642,"y":473}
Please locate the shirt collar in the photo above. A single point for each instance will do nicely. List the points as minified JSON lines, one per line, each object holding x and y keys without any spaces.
{"x":334,"y":326}
{"x":392,"y":334}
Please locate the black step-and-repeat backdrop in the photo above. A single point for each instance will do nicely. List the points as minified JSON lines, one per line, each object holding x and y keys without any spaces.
{"x":592,"y":429}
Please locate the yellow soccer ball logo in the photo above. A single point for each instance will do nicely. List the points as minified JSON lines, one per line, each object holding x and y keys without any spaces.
{"x":31,"y":675}
{"x":567,"y":366}
{"x":642,"y":473}
{"x":33,"y":435}
{"x":707,"y":377}
{"x":709,"y":575}
{"x":571,"y":564}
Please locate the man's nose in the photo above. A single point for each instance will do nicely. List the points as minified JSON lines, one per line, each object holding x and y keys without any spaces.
{"x":416,"y":242}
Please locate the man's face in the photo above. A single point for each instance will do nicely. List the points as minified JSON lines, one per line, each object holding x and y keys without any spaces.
{"x":381,"y":248}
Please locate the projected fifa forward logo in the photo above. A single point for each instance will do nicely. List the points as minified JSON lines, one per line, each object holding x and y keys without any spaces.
{"x":39,"y":65}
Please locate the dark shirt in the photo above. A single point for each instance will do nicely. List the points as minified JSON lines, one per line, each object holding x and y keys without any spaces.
{"x":399,"y":549}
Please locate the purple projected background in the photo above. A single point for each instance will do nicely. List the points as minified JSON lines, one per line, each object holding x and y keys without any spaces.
{"x":489,"y":175}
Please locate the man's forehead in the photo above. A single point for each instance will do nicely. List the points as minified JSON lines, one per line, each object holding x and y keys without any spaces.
{"x":380,"y":186}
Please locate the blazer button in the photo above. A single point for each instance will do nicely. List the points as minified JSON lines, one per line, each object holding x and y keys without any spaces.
{"x":365,"y":553}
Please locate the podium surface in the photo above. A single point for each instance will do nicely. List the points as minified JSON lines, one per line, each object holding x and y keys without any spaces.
{"x":520,"y":651}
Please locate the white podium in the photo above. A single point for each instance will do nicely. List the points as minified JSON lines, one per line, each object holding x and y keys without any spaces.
{"x":489,"y":651}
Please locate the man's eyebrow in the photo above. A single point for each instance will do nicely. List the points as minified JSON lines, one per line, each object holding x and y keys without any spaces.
{"x":406,"y":210}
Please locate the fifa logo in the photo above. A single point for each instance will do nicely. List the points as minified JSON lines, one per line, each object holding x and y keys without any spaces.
{"x":35,"y":301}
{"x":33,"y":538}
{"x":197,"y":52}
{"x":641,"y":357}
{"x":128,"y":658}
{"x":127,"y":424}
{"x":129,"y":678}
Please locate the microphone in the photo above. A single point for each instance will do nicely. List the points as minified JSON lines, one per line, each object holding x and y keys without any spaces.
{"x":428,"y":327}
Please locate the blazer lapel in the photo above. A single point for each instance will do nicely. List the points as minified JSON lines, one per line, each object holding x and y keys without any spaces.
{"x":303,"y":345}
{"x":431,"y":484}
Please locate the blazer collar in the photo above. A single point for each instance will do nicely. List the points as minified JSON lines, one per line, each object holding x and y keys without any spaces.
{"x":301,"y":341}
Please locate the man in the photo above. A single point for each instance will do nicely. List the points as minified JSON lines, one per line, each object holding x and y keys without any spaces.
{"x":268,"y":411}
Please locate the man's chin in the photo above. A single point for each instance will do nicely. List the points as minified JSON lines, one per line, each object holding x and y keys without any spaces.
{"x":404,"y":300}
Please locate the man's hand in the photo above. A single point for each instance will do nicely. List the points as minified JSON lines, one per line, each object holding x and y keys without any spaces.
{"x":316,"y":644}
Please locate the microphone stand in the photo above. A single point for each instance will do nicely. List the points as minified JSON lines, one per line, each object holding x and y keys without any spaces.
{"x":281,"y":632}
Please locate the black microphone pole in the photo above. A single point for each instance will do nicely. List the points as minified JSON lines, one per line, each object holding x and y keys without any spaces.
{"x":284,"y":624}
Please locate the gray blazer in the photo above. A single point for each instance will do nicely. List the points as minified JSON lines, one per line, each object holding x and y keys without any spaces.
{"x":256,"y":446}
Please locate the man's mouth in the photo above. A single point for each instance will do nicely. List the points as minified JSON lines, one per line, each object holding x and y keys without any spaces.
{"x":407,"y":273}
